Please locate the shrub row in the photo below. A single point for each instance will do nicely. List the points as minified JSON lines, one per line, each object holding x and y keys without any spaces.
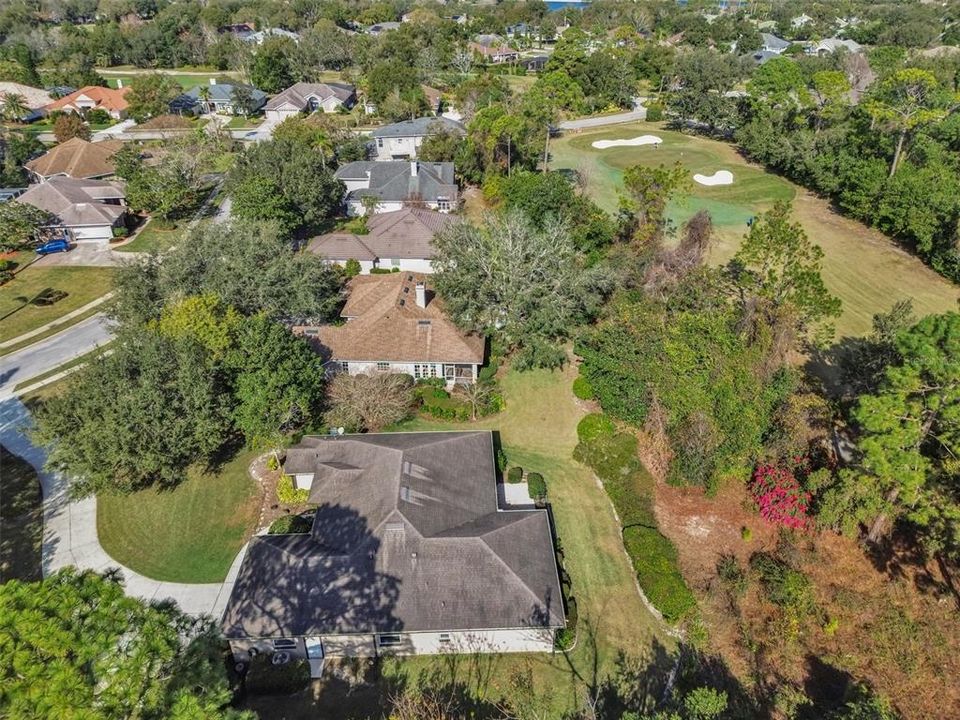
{"x":290,"y":524}
{"x":613,"y":457}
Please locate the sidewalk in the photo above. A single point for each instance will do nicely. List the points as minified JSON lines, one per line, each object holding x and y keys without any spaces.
{"x":19,"y":340}
{"x":70,"y":529}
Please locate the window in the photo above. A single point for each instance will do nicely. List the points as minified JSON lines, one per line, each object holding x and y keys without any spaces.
{"x":388,"y":640}
{"x":379,"y":142}
{"x":383,"y":366}
{"x":424,"y":371}
{"x":284,"y":644}
{"x":444,"y":638}
{"x":345,"y":366}
{"x":443,"y":205}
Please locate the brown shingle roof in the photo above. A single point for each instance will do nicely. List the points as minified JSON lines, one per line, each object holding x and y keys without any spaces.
{"x":406,"y":233}
{"x":77,"y":158}
{"x":384,"y":323}
{"x":76,"y":202}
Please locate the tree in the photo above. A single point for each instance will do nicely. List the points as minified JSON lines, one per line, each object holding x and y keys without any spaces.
{"x":476,"y":395}
{"x":909,"y":433}
{"x":440,"y":145}
{"x":70,"y":125}
{"x":368,"y":402}
{"x":271,"y":71}
{"x":260,"y":273}
{"x":14,"y":107}
{"x":779,"y":81}
{"x":830,"y":91}
{"x":19,"y":223}
{"x":150,"y":95}
{"x":644,"y":204}
{"x":76,"y":645}
{"x":905,"y":101}
{"x":778,"y":265}
{"x":242,"y":99}
{"x":525,"y":284}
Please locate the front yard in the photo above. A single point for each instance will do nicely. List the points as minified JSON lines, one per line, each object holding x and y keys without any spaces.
{"x":38,"y":294}
{"x":190,"y":534}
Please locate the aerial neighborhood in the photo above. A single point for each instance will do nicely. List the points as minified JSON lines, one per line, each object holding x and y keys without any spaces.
{"x":503,"y":359}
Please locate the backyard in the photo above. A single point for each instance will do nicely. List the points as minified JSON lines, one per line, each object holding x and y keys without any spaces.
{"x":189,"y":534}
{"x":862,"y":267}
{"x":538,"y":432}
{"x":152,"y":236}
{"x":39,"y":294}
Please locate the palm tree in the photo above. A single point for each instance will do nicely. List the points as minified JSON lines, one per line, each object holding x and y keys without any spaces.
{"x":14,"y":107}
{"x":204,"y":94}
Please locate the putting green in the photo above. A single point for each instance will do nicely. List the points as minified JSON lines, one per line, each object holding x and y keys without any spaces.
{"x":753,"y":190}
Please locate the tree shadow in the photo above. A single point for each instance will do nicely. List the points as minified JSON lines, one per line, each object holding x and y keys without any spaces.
{"x":827,"y":687}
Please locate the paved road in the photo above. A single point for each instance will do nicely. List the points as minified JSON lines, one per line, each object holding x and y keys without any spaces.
{"x":639,"y":112}
{"x":50,"y":353}
{"x":70,"y":529}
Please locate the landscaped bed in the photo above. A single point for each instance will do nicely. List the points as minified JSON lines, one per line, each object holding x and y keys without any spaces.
{"x":22,"y":303}
{"x":189,"y":534}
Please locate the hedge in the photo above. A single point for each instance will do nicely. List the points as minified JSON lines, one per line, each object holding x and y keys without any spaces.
{"x":288,"y":494}
{"x":593,"y":426}
{"x":583,"y":389}
{"x":290,"y":524}
{"x":265,"y":678}
{"x":654,"y":112}
{"x":515,"y":474}
{"x":654,"y":560}
{"x":536,"y":486}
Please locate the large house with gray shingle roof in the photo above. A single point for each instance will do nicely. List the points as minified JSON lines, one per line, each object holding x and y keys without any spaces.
{"x":402,"y":140}
{"x":411,"y":551}
{"x":395,"y":184}
{"x":401,"y":239}
{"x":310,"y":97}
{"x":87,"y":210}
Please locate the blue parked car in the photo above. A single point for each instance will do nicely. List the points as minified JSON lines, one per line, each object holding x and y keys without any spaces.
{"x":53,"y":246}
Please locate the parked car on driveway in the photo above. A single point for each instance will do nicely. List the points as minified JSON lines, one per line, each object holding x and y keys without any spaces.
{"x":54,"y":246}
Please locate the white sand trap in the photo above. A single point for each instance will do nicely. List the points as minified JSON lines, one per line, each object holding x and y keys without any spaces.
{"x":720,"y":177}
{"x":642,"y":140}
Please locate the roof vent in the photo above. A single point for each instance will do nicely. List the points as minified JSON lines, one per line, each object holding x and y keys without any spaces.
{"x":423,"y":322}
{"x":405,"y":289}
{"x":405,"y":493}
{"x":409,"y":278}
{"x":402,"y":302}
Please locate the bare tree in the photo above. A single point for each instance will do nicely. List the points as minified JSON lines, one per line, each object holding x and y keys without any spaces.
{"x":476,"y":395}
{"x":369,"y":402}
{"x":462,"y":61}
{"x":673,"y":264}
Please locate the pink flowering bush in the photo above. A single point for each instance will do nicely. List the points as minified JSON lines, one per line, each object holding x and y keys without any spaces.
{"x":780,"y":498}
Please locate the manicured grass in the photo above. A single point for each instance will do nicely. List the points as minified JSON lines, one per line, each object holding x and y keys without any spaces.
{"x":151,"y":237}
{"x":18,"y":311}
{"x":185,"y":81}
{"x":538,"y":432}
{"x":21,"y":519}
{"x":866,"y":270}
{"x":242,"y":123}
{"x":189,"y":534}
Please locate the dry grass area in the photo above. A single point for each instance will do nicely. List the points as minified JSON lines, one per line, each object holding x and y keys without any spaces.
{"x":891,"y":622}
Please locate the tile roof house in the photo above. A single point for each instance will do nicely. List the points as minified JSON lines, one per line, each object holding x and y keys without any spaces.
{"x":381,"y":28}
{"x":34,"y":99}
{"x":410,"y":552}
{"x":219,"y":98}
{"x":401,"y":239}
{"x":310,"y":97}
{"x":396,"y":323}
{"x":76,"y":158}
{"x":114,"y":101}
{"x":88,"y":210}
{"x":395,"y":184}
{"x":400,"y":141}
{"x":492,"y":49}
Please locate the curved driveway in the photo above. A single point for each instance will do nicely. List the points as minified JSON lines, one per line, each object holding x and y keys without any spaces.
{"x":70,"y":529}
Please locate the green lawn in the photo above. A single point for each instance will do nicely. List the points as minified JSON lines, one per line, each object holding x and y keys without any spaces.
{"x":239,"y":122}
{"x":189,"y":534}
{"x":867,"y":271}
{"x":185,"y":81}
{"x":21,"y":519}
{"x":21,"y":308}
{"x":151,"y":237}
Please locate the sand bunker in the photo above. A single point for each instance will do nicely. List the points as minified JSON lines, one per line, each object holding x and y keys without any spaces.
{"x":642,"y":140}
{"x":720,"y":177}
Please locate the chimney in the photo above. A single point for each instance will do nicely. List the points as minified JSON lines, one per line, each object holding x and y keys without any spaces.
{"x":414,"y":167}
{"x":213,"y":81}
{"x":421,"y":295}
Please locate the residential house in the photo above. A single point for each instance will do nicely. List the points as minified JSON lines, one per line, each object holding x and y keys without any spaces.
{"x":220,"y":98}
{"x":535,"y":63}
{"x":87,"y":210}
{"x":8,"y":194}
{"x":492,"y":49}
{"x":402,"y":140}
{"x":410,"y":552}
{"x":259,"y":36}
{"x":774,"y":44}
{"x":34,"y":99}
{"x":830,"y":45}
{"x":241,"y":31}
{"x":396,"y":323}
{"x":396,"y":184}
{"x":762,"y":56}
{"x":76,"y":158}
{"x":800,"y":20}
{"x":402,"y":239}
{"x":310,"y":97}
{"x":93,"y":97}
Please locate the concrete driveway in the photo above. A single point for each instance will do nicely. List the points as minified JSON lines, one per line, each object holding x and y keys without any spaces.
{"x":87,"y":255}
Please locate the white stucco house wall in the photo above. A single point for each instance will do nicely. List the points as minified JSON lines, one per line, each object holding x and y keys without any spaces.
{"x":402,"y":140}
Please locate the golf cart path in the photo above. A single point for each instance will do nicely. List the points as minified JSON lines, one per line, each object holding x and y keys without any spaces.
{"x":70,"y":529}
